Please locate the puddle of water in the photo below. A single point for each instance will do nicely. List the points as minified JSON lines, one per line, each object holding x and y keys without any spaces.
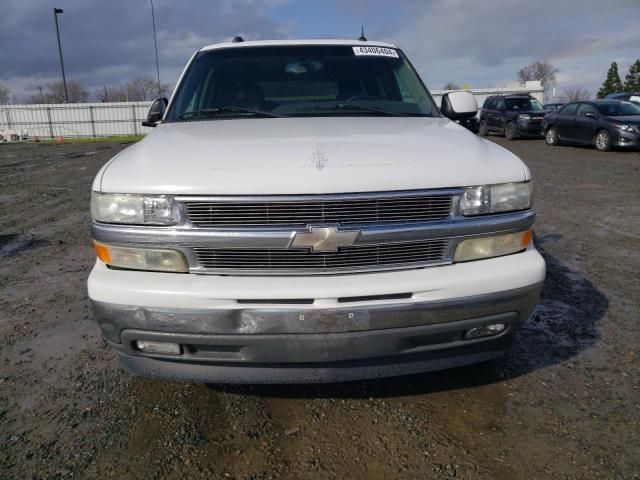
{"x":12,"y":244}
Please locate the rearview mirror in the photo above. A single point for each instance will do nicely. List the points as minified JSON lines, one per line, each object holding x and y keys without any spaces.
{"x":459,"y":105}
{"x":590,"y":115}
{"x":156,"y":112}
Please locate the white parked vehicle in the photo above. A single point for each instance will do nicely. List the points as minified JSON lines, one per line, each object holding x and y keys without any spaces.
{"x":303,"y":212}
{"x":12,"y":135}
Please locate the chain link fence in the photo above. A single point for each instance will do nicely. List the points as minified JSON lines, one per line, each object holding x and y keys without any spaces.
{"x":88,"y":120}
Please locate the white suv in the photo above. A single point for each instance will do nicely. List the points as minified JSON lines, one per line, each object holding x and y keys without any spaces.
{"x":302,"y":212}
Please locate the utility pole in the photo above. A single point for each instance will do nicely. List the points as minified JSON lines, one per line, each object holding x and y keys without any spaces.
{"x":155,"y":42}
{"x":56,"y":11}
{"x":41,"y":96}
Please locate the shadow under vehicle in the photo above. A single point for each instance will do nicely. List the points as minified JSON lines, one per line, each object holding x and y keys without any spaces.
{"x":564,"y":323}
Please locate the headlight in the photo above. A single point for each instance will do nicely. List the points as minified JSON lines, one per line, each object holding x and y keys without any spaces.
{"x":134,"y":258}
{"x":524,"y":118}
{"x":504,"y":197}
{"x":134,"y":209}
{"x":494,"y":246}
{"x":625,"y":127}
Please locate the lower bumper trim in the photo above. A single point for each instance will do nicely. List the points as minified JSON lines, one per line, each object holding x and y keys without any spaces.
{"x":313,"y":348}
{"x":114,"y":318}
{"x":626,"y":142}
{"x":332,"y":345}
{"x":316,"y":373}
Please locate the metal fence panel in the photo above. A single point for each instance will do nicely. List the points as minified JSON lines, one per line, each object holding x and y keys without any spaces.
{"x":125,"y":118}
{"x":75,"y":120}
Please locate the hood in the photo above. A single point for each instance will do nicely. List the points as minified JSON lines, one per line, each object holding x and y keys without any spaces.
{"x":628,"y":119}
{"x":308,"y":155}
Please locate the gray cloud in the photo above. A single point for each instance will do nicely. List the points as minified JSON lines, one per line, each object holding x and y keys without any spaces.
{"x":111,"y":42}
{"x":477,"y":41}
{"x":480,"y":42}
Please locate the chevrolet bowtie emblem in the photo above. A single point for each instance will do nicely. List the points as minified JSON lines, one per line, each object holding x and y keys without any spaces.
{"x":323,"y":239}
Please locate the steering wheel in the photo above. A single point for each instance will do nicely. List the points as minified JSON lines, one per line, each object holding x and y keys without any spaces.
{"x":362,"y":97}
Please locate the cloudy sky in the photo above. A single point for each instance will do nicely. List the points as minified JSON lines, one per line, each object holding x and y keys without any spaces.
{"x":482,"y":43}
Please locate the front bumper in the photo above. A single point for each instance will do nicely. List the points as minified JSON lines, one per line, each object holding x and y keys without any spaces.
{"x":225,"y":340}
{"x":374,"y":348}
{"x":626,"y":140}
{"x":530,"y":129}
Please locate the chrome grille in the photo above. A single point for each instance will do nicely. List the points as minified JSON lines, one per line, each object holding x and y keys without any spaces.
{"x":355,"y":258}
{"x":350,"y":210}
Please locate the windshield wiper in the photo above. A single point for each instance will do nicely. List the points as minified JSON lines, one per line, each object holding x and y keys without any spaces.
{"x":205,"y":112}
{"x":353,"y":106}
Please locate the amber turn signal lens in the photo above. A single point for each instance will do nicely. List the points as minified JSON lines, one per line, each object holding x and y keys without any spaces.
{"x":102,"y":252}
{"x":141,"y":258}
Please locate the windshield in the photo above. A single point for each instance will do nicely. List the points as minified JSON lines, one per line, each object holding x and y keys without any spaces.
{"x":300,"y":81}
{"x":618,"y":109}
{"x":523,"y":104}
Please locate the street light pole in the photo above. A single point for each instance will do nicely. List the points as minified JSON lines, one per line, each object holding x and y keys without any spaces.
{"x":41,"y":96}
{"x":56,"y":11}
{"x":155,"y":41}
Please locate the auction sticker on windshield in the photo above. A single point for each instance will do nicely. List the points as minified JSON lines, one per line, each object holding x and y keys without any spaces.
{"x":376,"y":51}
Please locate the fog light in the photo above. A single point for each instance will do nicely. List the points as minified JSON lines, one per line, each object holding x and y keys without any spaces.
{"x":159,"y":347}
{"x":485,"y":331}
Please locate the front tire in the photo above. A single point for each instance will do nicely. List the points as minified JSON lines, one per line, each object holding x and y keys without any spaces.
{"x":602,"y":141}
{"x":510,"y":131}
{"x":483,"y":131}
{"x":551,"y":136}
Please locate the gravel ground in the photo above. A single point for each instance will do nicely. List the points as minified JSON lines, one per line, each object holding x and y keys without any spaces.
{"x":564,"y":405}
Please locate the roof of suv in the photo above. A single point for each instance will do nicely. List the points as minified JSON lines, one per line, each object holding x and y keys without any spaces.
{"x":512,"y":95}
{"x":621,"y":94}
{"x":273,"y":43}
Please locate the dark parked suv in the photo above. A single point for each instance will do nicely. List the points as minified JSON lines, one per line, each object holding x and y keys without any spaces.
{"x":512,"y":116}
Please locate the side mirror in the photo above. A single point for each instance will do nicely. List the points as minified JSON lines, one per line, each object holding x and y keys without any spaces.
{"x":459,"y":105}
{"x":156,"y":112}
{"x":590,"y":115}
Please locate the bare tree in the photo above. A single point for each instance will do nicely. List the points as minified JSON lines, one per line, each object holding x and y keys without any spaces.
{"x":117,"y":93}
{"x":4,"y":95}
{"x":136,"y":90}
{"x":542,"y":71}
{"x":35,"y":98}
{"x":55,"y":93}
{"x":144,"y":88}
{"x":573,"y":94}
{"x":451,"y":86}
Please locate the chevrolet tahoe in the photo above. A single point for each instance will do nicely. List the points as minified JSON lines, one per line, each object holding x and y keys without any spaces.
{"x":303,"y":212}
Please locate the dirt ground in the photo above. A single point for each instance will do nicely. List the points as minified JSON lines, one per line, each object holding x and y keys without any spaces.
{"x":564,"y":405}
